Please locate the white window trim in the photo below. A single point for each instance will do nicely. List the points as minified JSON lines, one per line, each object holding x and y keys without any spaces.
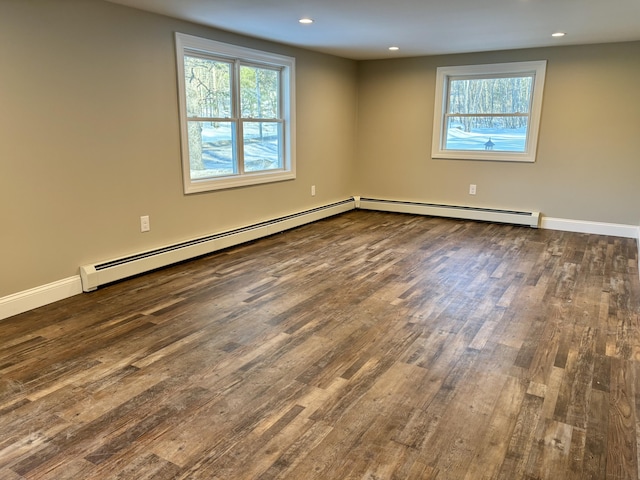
{"x":538,"y":68}
{"x":224,"y":50}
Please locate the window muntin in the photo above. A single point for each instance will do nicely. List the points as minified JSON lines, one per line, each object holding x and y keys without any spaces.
{"x":259,"y":92}
{"x":237,"y":116}
{"x":488,"y":112}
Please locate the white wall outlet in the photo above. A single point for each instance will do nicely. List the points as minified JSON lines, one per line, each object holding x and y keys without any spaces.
{"x":472,"y":189}
{"x":145,"y":226}
{"x":313,"y":190}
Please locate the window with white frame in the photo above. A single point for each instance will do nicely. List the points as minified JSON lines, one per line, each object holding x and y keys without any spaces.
{"x":488,"y":112}
{"x":237,"y":110}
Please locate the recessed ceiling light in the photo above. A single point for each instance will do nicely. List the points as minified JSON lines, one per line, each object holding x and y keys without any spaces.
{"x":393,"y":49}
{"x":306,"y":20}
{"x":558,"y":34}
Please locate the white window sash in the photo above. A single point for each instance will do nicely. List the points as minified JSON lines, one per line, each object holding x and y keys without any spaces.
{"x":444,"y":75}
{"x":211,"y":49}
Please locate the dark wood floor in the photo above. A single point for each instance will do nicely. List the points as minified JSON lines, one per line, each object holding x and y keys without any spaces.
{"x":365,"y":346}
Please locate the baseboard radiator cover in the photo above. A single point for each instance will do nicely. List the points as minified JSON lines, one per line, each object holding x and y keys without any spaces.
{"x":95,"y":275}
{"x":530,"y":219}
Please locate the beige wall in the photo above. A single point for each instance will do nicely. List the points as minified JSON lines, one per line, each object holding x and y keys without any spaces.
{"x":588,"y":165}
{"x":90,"y":139}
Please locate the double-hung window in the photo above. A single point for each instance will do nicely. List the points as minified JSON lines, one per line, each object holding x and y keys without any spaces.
{"x":236,"y":115}
{"x":488,"y":112}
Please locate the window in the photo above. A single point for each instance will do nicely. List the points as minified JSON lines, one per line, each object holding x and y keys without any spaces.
{"x":488,"y":112}
{"x":236,"y":115}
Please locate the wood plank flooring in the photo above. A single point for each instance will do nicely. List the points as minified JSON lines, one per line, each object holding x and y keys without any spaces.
{"x":365,"y":346}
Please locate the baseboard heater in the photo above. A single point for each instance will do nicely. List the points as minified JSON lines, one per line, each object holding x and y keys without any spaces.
{"x":530,"y":219}
{"x":98,"y":274}
{"x":94,"y":275}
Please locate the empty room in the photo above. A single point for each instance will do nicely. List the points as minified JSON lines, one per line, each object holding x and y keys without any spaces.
{"x":319,"y":240}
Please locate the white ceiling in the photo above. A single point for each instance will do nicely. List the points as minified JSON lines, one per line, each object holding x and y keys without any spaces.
{"x":364,"y":29}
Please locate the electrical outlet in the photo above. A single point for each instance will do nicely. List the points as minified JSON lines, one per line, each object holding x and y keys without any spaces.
{"x":472,"y":189}
{"x":145,"y":226}
{"x":313,"y":190}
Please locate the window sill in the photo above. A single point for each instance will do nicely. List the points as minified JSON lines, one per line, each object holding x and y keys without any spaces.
{"x":486,"y":156}
{"x":221,"y":183}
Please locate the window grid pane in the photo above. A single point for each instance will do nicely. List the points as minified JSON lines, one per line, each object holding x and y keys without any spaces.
{"x":262,"y":146}
{"x":207,"y":87}
{"x":212,"y":149}
{"x":259,"y":92}
{"x":485,"y":133}
{"x":490,"y":95}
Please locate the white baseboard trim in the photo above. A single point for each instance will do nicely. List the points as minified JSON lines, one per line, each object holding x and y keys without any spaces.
{"x":596,"y":228}
{"x":37,"y":297}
